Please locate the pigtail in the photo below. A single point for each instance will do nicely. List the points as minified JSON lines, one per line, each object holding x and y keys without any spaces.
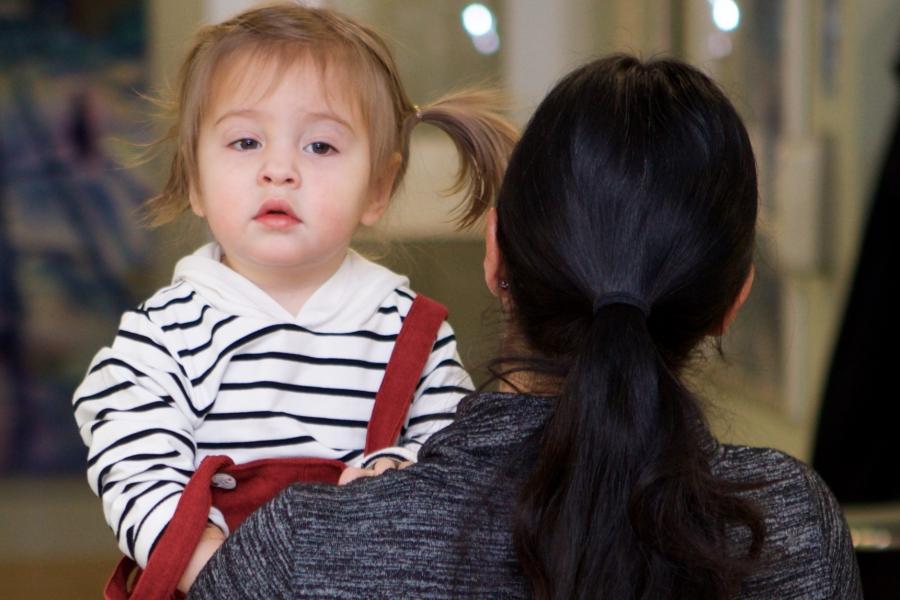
{"x":483,"y":140}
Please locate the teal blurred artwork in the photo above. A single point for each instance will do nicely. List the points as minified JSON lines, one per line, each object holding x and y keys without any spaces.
{"x":70,"y":243}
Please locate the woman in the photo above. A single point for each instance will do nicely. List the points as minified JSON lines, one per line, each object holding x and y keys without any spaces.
{"x":622,"y":240}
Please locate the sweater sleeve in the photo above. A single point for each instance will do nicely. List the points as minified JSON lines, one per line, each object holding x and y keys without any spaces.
{"x":135,"y":414}
{"x":443,"y":384}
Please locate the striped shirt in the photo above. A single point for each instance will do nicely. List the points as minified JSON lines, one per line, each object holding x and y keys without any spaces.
{"x":213,"y":365}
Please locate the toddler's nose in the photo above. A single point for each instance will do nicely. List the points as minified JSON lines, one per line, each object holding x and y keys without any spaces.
{"x":279,"y":171}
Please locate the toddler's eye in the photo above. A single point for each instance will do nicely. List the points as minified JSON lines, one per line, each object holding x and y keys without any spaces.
{"x":245,"y":144}
{"x":321,"y":148}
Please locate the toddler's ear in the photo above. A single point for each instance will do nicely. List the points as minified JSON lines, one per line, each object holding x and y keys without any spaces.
{"x":382,"y":187}
{"x":196,"y":203}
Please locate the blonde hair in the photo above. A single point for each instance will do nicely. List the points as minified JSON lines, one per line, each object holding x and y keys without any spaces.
{"x":286,"y":33}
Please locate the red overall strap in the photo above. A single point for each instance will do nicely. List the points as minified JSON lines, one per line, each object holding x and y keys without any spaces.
{"x":404,"y":370}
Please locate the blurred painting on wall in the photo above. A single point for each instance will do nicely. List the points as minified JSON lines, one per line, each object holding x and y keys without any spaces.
{"x":72,"y":251}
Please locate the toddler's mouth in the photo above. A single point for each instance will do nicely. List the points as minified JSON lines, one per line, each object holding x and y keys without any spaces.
{"x":277,"y":214}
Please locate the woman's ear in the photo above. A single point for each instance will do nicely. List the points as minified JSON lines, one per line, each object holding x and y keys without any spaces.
{"x":382,"y":187}
{"x":493,"y":265}
{"x":738,"y":302}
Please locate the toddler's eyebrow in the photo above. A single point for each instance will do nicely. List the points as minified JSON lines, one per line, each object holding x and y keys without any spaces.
{"x":312,"y":116}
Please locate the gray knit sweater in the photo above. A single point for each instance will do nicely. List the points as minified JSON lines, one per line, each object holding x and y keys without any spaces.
{"x":440,"y":529}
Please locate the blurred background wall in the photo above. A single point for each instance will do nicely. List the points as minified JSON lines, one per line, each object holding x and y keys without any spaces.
{"x":813,"y":80}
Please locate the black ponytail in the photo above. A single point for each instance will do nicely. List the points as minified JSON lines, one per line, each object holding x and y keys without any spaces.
{"x":590,"y":460}
{"x":634,"y":183}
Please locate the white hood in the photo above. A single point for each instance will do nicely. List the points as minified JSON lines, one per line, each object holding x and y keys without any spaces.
{"x":346,"y":301}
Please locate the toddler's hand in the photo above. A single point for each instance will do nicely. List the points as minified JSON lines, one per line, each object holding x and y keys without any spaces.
{"x":376,"y":468}
{"x":210,"y":541}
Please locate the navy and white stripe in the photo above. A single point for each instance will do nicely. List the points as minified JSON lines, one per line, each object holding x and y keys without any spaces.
{"x":186,"y":377}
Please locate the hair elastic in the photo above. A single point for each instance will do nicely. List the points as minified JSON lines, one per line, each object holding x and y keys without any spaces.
{"x":621,"y":298}
{"x":418,"y":112}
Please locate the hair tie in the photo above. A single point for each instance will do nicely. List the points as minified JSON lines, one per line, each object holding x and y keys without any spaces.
{"x":621,"y":298}
{"x":418,"y":112}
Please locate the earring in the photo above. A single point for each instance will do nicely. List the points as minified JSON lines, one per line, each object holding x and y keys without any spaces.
{"x":504,"y":284}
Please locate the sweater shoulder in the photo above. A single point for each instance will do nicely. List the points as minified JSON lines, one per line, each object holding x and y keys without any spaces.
{"x":807,"y":550}
{"x":748,"y":463}
{"x":780,"y":483}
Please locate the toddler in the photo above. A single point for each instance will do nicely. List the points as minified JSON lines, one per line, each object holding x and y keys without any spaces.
{"x":291,"y":129}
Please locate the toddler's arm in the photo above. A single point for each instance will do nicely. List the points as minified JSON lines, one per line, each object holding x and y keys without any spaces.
{"x":135,"y":413}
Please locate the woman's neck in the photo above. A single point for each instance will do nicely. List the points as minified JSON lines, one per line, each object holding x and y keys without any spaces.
{"x":530,"y":383}
{"x":516,"y":375}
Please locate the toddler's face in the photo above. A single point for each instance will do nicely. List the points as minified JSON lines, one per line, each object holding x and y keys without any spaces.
{"x":284,"y":172}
